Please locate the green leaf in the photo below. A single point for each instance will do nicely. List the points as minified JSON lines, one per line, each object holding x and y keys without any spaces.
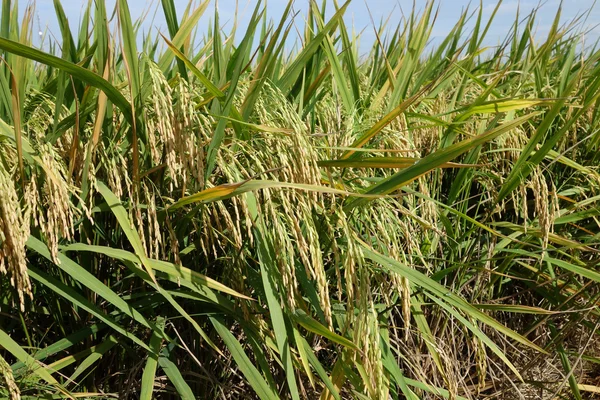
{"x":295,"y":69}
{"x":501,"y":106}
{"x":88,"y":280}
{"x":205,"y":81}
{"x":237,"y":63}
{"x":32,"y":364}
{"x":314,"y":326}
{"x":229,"y":190}
{"x":338,"y":73}
{"x":147,"y":388}
{"x":434,"y":390}
{"x":96,"y":355}
{"x":385,"y":162}
{"x":255,"y":379}
{"x":78,"y":300}
{"x":119,"y":211}
{"x":382,"y":123}
{"x":437,"y":291}
{"x":174,"y":375}
{"x":435,"y":159}
{"x":182,"y":35}
{"x":396,"y":374}
{"x":178,"y":271}
{"x":76,"y":71}
{"x":173,"y":26}
{"x":314,"y":361}
{"x":63,"y":344}
{"x":129,"y":47}
{"x":269,"y":273}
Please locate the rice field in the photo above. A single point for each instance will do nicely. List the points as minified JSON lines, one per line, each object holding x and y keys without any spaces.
{"x":215,"y":214}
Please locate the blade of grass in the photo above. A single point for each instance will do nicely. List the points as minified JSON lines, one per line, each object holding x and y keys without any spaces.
{"x":148,"y":376}
{"x":32,"y":364}
{"x":255,"y":379}
{"x":174,"y":375}
{"x":440,"y":292}
{"x":437,"y":158}
{"x":78,"y":72}
{"x":269,"y":271}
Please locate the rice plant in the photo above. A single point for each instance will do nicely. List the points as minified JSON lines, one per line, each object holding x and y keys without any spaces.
{"x":215,"y":215}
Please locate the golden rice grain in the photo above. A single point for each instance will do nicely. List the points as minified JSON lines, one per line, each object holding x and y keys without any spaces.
{"x":14,"y":232}
{"x":6,"y":373}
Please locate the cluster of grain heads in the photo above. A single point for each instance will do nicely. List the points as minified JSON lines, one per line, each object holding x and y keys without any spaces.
{"x":14,"y":231}
{"x":9,"y":380}
{"x":223,"y":216}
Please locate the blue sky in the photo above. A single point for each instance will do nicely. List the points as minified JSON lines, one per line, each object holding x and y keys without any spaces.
{"x":357,"y":14}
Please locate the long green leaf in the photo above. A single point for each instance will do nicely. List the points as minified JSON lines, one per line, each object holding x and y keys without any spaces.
{"x":88,"y":280}
{"x":147,"y":388}
{"x":436,"y":159}
{"x":76,"y":71}
{"x":440,"y":292}
{"x":20,"y":354}
{"x":255,"y":379}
